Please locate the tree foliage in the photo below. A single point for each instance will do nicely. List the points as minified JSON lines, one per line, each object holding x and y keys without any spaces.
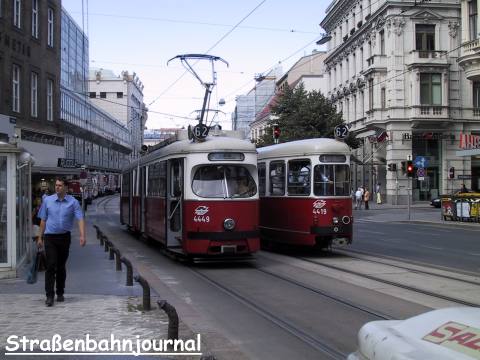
{"x":303,"y":115}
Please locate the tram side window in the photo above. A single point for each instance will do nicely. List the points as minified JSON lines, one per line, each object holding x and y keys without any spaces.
{"x":331,"y":180}
{"x":162,"y":181}
{"x":126,"y":184}
{"x":277,"y":178}
{"x":177,"y":179}
{"x":299,"y":177}
{"x":154,"y":180}
{"x":262,"y":179}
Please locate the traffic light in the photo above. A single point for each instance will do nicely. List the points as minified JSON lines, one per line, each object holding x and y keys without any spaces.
{"x":410,"y":168}
{"x":404,"y":167}
{"x":392,"y":167}
{"x":276,"y":133}
{"x":451,"y":173}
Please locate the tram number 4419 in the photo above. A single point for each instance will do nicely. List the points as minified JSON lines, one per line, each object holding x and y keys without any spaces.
{"x":204,"y":219}
{"x":320,"y":211}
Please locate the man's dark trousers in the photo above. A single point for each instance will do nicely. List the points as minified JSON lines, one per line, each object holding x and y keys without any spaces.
{"x":57,"y":247}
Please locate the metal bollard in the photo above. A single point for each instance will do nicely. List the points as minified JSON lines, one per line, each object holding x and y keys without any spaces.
{"x":106,"y":243}
{"x":128,"y":264}
{"x":118,"y":263}
{"x":102,"y":238}
{"x":97,"y":230}
{"x":111,"y":254}
{"x":146,"y":292}
{"x":172,"y":318}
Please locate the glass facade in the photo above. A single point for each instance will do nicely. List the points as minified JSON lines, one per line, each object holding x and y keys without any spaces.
{"x":74,"y":58}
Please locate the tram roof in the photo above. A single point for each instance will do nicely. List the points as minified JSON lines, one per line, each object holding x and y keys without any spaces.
{"x":211,"y":144}
{"x":304,"y":148}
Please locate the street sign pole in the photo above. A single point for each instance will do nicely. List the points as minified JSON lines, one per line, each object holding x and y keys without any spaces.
{"x":409,"y":187}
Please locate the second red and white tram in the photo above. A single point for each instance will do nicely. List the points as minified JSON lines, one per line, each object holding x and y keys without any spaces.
{"x":304,"y":189}
{"x":199,"y":199}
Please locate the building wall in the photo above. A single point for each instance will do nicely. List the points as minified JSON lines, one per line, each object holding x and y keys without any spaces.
{"x":375,"y":76}
{"x":93,"y":137}
{"x":122,"y":97}
{"x":31,"y":53}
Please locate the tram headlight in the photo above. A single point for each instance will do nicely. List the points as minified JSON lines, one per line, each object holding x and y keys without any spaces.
{"x":335,"y":220}
{"x":229,"y":224}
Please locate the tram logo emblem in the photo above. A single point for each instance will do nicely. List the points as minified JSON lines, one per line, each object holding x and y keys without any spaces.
{"x":201,"y":210}
{"x":319,"y":204}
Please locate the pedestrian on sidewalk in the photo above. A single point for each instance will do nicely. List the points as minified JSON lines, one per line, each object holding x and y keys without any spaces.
{"x":57,"y":214}
{"x":358,"y":198}
{"x":366,"y":198}
{"x":378,"y":194}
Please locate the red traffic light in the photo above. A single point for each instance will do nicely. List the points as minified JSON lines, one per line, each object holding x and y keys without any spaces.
{"x":410,"y":169}
{"x":451,"y":173}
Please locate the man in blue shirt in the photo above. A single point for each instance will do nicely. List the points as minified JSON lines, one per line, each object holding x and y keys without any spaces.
{"x":57,"y":214}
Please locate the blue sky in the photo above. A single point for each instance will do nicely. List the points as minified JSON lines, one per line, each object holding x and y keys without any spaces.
{"x":141,"y":36}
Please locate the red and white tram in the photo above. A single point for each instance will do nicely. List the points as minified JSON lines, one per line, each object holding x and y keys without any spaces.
{"x":199,"y":199}
{"x":304,"y":189}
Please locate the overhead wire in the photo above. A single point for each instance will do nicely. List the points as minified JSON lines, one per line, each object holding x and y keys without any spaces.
{"x":210,"y":49}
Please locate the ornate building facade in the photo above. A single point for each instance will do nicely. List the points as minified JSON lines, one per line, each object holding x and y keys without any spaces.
{"x":393,"y":72}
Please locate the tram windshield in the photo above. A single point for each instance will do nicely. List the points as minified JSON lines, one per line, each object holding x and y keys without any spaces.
{"x":331,"y":180}
{"x":223,"y":181}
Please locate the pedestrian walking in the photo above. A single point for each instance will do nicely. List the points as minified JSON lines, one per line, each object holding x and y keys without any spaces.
{"x":358,"y":198}
{"x":378,"y":194}
{"x":57,"y":214}
{"x":366,"y":198}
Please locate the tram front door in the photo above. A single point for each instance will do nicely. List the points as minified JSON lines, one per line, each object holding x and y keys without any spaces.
{"x":174,"y":202}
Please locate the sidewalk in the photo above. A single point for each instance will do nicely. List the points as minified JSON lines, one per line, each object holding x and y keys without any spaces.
{"x":420,"y":212}
{"x":97,"y":303}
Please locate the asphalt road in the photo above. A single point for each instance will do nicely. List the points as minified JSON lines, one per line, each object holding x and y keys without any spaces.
{"x":441,"y":245}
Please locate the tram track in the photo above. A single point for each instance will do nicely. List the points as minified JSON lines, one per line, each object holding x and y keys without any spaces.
{"x":286,"y":325}
{"x":328,"y":296}
{"x":392,"y":283}
{"x":348,"y":253}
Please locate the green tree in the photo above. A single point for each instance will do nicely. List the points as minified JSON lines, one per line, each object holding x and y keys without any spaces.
{"x":303,"y":115}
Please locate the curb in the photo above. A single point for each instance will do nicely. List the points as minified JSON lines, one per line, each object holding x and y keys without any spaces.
{"x":444,"y":223}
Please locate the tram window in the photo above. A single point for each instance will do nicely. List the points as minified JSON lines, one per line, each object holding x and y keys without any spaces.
{"x":299,"y":177}
{"x":223,"y":181}
{"x":262,"y":179}
{"x":156,"y":179}
{"x":331,"y":180}
{"x":277,"y":178}
{"x":342,"y":180}
{"x":176,"y":177}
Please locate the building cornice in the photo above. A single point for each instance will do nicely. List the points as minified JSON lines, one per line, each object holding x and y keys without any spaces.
{"x":339,"y":11}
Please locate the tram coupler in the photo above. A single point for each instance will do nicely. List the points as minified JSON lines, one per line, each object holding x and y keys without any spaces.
{"x":128,"y":264}
{"x":172,"y":318}
{"x":146,"y":292}
{"x":118,"y":255}
{"x":340,"y":241}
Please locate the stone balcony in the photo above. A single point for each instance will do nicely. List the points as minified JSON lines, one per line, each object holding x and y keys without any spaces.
{"x":418,"y":58}
{"x":470,"y":59}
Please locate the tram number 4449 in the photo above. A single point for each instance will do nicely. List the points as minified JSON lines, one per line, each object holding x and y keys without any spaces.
{"x":204,"y":219}
{"x":320,"y":211}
